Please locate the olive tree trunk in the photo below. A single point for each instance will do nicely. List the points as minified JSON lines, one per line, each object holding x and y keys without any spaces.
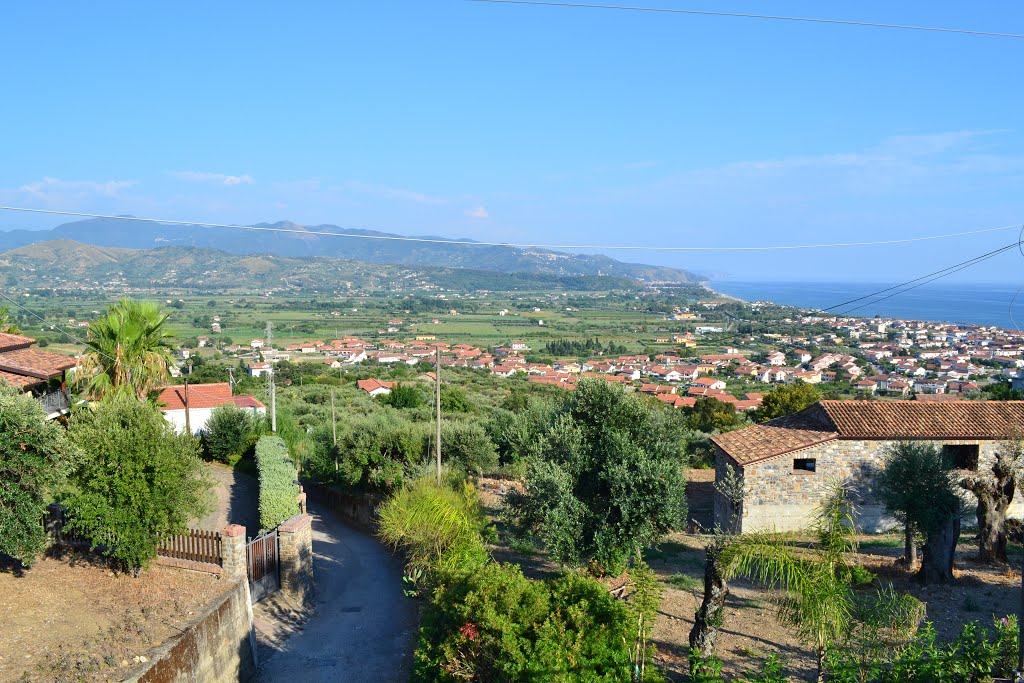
{"x":909,"y":545}
{"x":711,"y":614}
{"x":994,"y":493}
{"x":937,"y":555}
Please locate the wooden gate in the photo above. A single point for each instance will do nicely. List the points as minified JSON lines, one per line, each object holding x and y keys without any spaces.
{"x":261,"y":556}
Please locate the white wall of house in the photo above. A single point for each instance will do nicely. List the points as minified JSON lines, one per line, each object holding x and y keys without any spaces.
{"x":197,"y":417}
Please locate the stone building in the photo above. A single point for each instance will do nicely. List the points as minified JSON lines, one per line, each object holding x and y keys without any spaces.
{"x":791,"y":463}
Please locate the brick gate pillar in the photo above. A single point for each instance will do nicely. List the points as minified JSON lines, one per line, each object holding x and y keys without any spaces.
{"x":295,"y":540}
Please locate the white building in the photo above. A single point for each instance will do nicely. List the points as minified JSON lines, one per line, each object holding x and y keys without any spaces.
{"x":202,"y":399}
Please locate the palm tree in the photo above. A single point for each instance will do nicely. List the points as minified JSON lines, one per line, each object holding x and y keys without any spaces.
{"x":819,"y":600}
{"x":128,"y":349}
{"x":8,"y":325}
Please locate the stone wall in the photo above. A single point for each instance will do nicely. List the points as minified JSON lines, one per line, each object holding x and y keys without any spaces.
{"x":781,"y":498}
{"x":360,"y":511}
{"x":218,"y":647}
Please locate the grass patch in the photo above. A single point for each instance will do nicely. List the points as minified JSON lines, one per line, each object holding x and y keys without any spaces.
{"x":881,"y":542}
{"x":683,"y":582}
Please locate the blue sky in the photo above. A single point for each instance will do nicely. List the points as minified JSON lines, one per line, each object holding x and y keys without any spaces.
{"x":531,"y":124}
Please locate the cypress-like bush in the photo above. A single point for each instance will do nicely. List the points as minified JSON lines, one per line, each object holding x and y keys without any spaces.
{"x":278,"y":487}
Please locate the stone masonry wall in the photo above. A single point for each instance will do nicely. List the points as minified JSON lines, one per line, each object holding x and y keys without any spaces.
{"x":218,"y":647}
{"x":783,"y":499}
{"x":295,"y":539}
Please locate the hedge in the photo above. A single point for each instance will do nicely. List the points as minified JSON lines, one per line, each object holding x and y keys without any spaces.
{"x":278,"y":488}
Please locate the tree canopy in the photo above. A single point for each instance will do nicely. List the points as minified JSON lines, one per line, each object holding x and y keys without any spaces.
{"x":787,"y":399}
{"x":609,"y":484}
{"x":138,"y":481}
{"x":128,"y":348}
{"x":35,"y":457}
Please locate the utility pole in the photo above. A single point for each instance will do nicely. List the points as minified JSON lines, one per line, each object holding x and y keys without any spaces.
{"x":334,"y":430}
{"x":437,"y":408}
{"x":231,"y":379}
{"x":188,"y":422}
{"x":273,"y":383}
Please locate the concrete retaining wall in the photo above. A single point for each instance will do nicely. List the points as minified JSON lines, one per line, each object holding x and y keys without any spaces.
{"x":219,"y":646}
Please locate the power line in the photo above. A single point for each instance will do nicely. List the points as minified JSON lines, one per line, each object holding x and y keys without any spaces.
{"x":938,"y":275}
{"x":514,"y":245}
{"x":744,"y":15}
{"x":969,"y":262}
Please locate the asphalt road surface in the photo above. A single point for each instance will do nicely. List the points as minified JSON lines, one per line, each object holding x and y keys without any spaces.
{"x":363,"y":627}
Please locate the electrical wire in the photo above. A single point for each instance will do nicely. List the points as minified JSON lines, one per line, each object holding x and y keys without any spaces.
{"x":968,"y":262}
{"x":514,"y":245}
{"x":744,"y":15}
{"x":956,"y":269}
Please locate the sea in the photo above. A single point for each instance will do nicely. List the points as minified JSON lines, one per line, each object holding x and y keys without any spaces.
{"x":970,"y":303}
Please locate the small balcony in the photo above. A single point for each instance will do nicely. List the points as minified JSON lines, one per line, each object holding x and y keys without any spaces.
{"x":55,"y":403}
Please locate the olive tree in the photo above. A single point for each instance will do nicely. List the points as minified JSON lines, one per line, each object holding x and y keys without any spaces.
{"x":916,"y":486}
{"x":994,"y":490}
{"x":35,"y":457}
{"x":608,"y":485}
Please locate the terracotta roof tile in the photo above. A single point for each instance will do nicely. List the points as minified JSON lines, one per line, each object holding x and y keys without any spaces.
{"x":781,"y":435}
{"x":14,"y":341}
{"x":18,"y":380}
{"x":203,"y":396}
{"x":827,"y":420}
{"x":915,"y":419}
{"x":35,"y":363}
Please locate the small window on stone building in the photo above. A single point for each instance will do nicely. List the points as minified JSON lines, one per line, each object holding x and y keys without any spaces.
{"x":804,"y":464}
{"x":963,"y":457}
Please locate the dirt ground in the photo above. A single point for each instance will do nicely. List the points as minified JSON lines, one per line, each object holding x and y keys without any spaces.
{"x":73,"y":619}
{"x":752,"y":632}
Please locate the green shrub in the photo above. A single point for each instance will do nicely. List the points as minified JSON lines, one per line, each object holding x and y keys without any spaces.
{"x":138,"y":481}
{"x":230,"y":433}
{"x":976,"y":655}
{"x":378,"y":451}
{"x":35,"y":457}
{"x":403,"y":396}
{"x":436,"y":527}
{"x":467,"y":445}
{"x":278,"y":488}
{"x":496,"y":624}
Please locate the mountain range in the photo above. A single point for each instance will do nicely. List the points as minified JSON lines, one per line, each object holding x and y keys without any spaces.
{"x":302,"y":242}
{"x":73,"y":266}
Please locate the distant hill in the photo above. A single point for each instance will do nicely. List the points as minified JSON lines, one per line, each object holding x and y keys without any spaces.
{"x":66,"y":264}
{"x":105,"y":232}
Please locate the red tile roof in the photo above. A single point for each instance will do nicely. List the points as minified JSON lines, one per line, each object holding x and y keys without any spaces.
{"x":18,"y":380}
{"x":827,"y":420}
{"x":203,"y":396}
{"x":9,"y":342}
{"x":35,"y":362}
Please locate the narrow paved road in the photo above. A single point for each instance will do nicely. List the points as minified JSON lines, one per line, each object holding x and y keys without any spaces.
{"x":363,"y":627}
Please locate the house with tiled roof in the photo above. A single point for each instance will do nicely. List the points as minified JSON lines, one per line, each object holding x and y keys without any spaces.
{"x":40,"y":373}
{"x":374,"y":387}
{"x":199,"y":401}
{"x":791,"y":463}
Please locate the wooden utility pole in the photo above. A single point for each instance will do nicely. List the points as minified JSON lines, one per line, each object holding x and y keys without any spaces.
{"x":273,"y":384}
{"x":334,"y":430}
{"x":437,"y":409}
{"x":188,"y":422}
